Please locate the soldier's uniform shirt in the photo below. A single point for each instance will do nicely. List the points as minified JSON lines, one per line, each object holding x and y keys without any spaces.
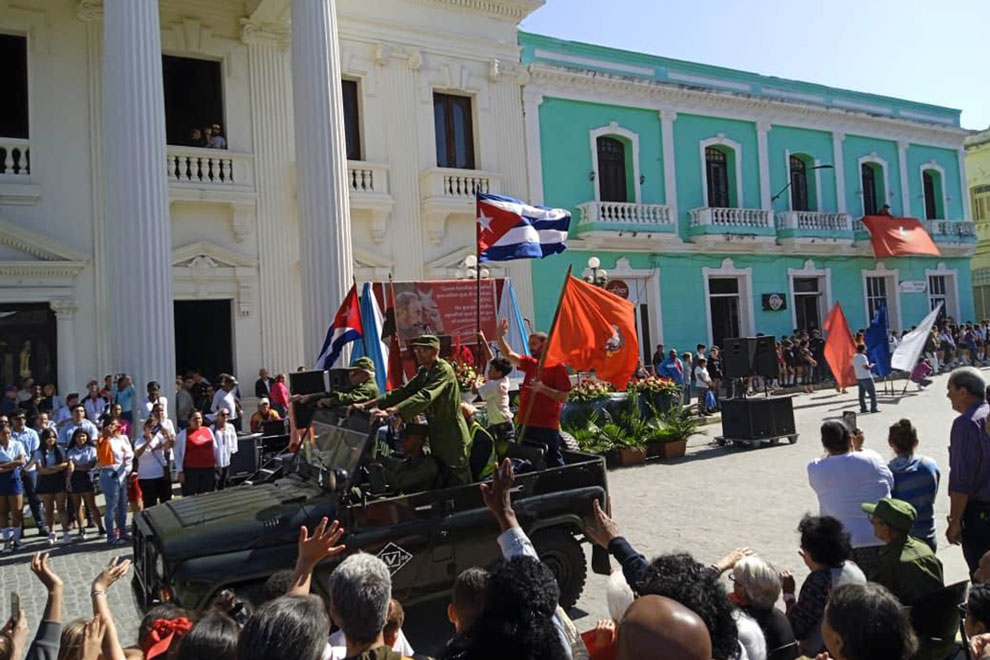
{"x":411,"y":474}
{"x":366,"y":391}
{"x":909,"y":569}
{"x":434,"y":392}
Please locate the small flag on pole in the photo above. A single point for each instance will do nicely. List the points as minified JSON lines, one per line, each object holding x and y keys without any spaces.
{"x":512,"y":229}
{"x":345,"y":328}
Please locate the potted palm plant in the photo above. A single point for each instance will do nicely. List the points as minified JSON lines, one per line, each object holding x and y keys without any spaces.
{"x":669,"y":438}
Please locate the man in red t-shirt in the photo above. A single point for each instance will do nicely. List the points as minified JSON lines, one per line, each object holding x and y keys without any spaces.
{"x":549,"y":392}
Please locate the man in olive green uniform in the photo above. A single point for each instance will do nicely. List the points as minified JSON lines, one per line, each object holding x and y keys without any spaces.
{"x":433,"y":392}
{"x":415,"y":471}
{"x":907,"y":567}
{"x":363,"y":386}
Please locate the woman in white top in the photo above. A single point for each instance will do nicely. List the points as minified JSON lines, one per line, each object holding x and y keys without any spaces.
{"x":226,"y":439}
{"x":844,"y":479}
{"x":702,"y":383}
{"x":154,"y":477}
{"x":115,"y":458}
{"x":495,"y":392}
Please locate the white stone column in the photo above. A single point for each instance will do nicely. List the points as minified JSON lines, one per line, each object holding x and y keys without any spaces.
{"x":278,"y":231}
{"x":321,"y":165}
{"x":138,"y":226}
{"x":532,"y":100}
{"x":667,"y":119}
{"x":840,"y":171}
{"x":65,"y":337}
{"x":762,"y":129}
{"x":967,"y":205}
{"x":902,"y":148}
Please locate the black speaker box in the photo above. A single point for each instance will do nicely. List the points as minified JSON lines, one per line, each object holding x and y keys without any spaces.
{"x":759,"y":418}
{"x":248,"y":456}
{"x":737,"y":357}
{"x":765,"y":357}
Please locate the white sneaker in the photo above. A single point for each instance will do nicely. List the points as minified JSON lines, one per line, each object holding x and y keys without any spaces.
{"x":8,"y":547}
{"x":52,"y":539}
{"x":81,"y":534}
{"x":66,"y":539}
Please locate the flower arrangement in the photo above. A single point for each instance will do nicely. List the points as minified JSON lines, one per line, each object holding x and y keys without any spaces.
{"x":588,"y":389}
{"x":466,"y":375}
{"x":653,"y":386}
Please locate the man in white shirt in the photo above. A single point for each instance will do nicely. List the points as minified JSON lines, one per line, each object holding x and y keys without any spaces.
{"x":226,"y":440}
{"x":225,"y":397}
{"x":78,"y":421}
{"x":702,"y":383}
{"x":495,"y":392}
{"x":94,"y":403}
{"x":64,"y":414}
{"x":864,"y":378}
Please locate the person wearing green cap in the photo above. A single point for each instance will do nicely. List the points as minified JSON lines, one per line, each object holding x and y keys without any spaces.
{"x":906,"y":566}
{"x":433,"y":392}
{"x":363,"y":386}
{"x":415,"y":471}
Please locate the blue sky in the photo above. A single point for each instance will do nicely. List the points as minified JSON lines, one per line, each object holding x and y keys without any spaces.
{"x":933,"y":51}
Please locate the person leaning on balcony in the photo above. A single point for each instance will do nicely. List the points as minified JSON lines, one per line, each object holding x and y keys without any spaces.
{"x":885,"y":210}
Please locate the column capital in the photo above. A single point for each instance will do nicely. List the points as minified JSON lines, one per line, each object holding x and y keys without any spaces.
{"x":763,"y":126}
{"x":89,"y":10}
{"x":668,"y":115}
{"x":255,"y":33}
{"x":838,"y":136}
{"x":532,"y":97}
{"x":63,"y":307}
{"x":903,"y":144}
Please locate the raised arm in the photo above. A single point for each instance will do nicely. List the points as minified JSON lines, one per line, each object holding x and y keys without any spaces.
{"x":115,"y":570}
{"x":312,"y":550}
{"x":46,"y":640}
{"x":501,"y":330}
{"x":486,"y":349}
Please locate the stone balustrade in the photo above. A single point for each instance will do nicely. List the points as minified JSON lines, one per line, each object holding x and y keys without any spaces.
{"x":15,"y":158}
{"x":209,"y":167}
{"x":603,"y":214}
{"x":729,"y":218}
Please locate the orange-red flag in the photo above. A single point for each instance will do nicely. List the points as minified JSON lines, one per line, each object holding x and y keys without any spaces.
{"x":840,"y":347}
{"x":899,"y":237}
{"x":595,"y":331}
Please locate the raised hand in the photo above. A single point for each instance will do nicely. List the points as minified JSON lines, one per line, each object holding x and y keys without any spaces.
{"x":93,"y":633}
{"x":321,"y":544}
{"x":601,"y":529}
{"x":728,"y":562}
{"x":787,"y":583}
{"x":40,"y":567}
{"x":115,"y":570}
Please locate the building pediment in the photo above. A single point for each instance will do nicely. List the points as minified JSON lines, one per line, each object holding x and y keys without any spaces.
{"x":205,"y":253}
{"x":35,"y":256}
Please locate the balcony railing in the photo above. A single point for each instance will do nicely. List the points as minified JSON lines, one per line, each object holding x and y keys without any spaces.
{"x":367,"y":178}
{"x":951,"y":229}
{"x":209,"y":167}
{"x":732,"y":220}
{"x":623,"y":214}
{"x":458,"y":184}
{"x":15,"y":158}
{"x":812,"y":221}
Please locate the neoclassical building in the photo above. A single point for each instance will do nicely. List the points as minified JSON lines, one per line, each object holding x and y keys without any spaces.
{"x":978,"y":182}
{"x":354,"y":142}
{"x":725,"y":203}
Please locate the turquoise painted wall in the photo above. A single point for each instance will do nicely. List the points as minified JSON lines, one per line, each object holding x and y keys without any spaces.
{"x":689,"y":131}
{"x":855,"y":147}
{"x":568,"y":158}
{"x":949,"y":161}
{"x":817,"y":145}
{"x":682,"y":289}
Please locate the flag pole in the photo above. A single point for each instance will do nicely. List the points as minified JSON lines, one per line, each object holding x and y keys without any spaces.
{"x":543,"y":355}
{"x":477,"y":265}
{"x":364,"y":333}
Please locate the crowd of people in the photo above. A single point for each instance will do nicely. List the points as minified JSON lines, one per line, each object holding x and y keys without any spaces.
{"x":209,"y":136}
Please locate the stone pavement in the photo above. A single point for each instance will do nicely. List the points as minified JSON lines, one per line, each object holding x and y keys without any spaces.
{"x":709,"y":502}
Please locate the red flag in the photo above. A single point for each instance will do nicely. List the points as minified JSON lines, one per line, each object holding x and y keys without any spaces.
{"x":840,"y":347}
{"x":595,"y":331}
{"x":899,"y":237}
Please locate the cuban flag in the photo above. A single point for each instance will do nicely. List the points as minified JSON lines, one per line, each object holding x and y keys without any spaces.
{"x":511,"y":229}
{"x":346,"y":327}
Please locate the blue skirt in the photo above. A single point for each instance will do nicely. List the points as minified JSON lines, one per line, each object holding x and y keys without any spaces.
{"x":10,"y":483}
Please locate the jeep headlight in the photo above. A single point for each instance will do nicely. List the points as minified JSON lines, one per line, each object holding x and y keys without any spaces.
{"x":160,"y":567}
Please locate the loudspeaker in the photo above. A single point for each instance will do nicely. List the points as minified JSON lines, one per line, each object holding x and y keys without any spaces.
{"x":737,"y":357}
{"x":248,"y":456}
{"x":765,"y":357}
{"x":759,"y":418}
{"x":309,"y":382}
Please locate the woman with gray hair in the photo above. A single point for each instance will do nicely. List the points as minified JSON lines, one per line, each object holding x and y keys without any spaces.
{"x":756,"y":588}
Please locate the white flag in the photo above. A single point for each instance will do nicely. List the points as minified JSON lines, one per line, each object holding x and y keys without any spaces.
{"x":906,"y":355}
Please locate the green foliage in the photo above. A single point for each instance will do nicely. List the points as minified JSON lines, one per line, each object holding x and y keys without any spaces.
{"x":675,"y":424}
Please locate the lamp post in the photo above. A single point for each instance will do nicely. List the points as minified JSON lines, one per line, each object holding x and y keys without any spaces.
{"x":784,"y":189}
{"x":599,"y":276}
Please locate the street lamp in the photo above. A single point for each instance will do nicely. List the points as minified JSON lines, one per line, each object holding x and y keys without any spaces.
{"x":784,"y":189}
{"x":599,"y":276}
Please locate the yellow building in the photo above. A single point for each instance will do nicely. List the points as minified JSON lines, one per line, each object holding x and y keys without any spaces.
{"x":978,"y":182}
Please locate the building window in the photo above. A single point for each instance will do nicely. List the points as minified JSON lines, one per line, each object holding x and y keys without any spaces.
{"x":454,"y":132}
{"x":932,"y":183}
{"x":942,"y":289}
{"x":724,"y":305}
{"x":193,"y":102}
{"x":799,"y":185}
{"x":872,"y":187}
{"x":717,"y":175}
{"x":14,"y":82}
{"x":352,"y":119}
{"x":981,"y":202}
{"x":612,"y":170}
{"x":876,"y":295}
{"x":808,"y":303}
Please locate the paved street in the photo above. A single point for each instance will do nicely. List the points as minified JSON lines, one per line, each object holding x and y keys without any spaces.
{"x":707,"y":503}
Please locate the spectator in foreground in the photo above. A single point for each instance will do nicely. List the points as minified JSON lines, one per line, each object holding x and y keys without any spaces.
{"x":467,"y":601}
{"x":865,"y":622}
{"x":916,"y":479}
{"x":908,"y":567}
{"x":360,"y":596}
{"x":392,"y":634}
{"x":287,"y":628}
{"x":601,"y":639}
{"x":12,"y":459}
{"x":969,"y":465}
{"x":843,"y":480}
{"x":660,"y":628}
{"x":756,"y":587}
{"x":825,"y":549}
